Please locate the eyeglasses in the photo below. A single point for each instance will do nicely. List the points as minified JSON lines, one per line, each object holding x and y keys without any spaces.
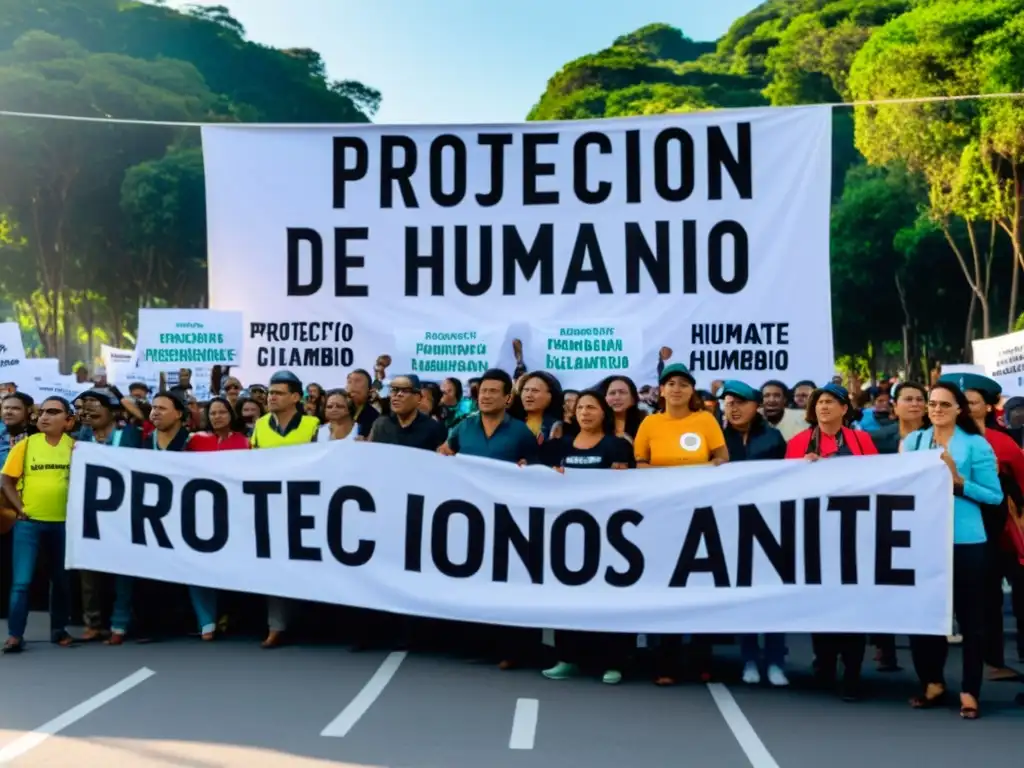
{"x":52,"y":412}
{"x":403,"y":391}
{"x":937,"y":405}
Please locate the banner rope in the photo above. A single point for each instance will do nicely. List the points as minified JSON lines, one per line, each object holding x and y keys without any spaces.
{"x":183,"y":124}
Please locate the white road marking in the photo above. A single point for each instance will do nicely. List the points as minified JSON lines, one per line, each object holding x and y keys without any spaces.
{"x":755,"y":750}
{"x":524,"y":724}
{"x":340,"y":726}
{"x":32,"y":739}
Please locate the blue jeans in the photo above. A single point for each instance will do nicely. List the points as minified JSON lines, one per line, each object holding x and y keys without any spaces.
{"x":121,"y":616}
{"x":29,"y":537}
{"x":774,"y":649}
{"x":204,"y":603}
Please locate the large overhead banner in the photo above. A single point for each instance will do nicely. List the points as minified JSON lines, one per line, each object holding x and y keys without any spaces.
{"x":765,"y":546}
{"x":595,"y":244}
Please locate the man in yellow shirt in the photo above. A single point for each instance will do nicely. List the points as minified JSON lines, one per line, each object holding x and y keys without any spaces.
{"x":35,"y":480}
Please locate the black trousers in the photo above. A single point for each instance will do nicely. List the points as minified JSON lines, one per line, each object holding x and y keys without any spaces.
{"x":596,"y":651}
{"x":930,"y":652}
{"x":1002,"y":565}
{"x":668,"y":654}
{"x":830,"y":647}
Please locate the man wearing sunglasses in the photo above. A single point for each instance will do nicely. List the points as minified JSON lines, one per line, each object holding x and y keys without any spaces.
{"x":35,"y":481}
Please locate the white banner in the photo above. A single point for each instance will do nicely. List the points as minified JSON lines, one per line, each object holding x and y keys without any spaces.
{"x":12,"y":354}
{"x":171,"y":339}
{"x":846,"y":545}
{"x":39,"y":369}
{"x":692,"y":230}
{"x":1002,"y":357}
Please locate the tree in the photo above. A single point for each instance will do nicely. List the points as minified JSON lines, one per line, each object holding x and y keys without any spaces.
{"x":970,"y":151}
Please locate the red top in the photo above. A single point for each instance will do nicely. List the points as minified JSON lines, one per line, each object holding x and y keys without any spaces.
{"x":147,"y":429}
{"x":1008,"y":455}
{"x":208,"y":441}
{"x":859,"y":443}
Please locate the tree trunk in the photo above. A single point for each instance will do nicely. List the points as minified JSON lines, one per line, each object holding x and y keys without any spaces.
{"x":969,"y":333}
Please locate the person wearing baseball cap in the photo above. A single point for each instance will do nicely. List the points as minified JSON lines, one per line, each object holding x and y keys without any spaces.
{"x":683,"y":434}
{"x":1005,"y":543}
{"x":829,"y":436}
{"x":749,"y":437}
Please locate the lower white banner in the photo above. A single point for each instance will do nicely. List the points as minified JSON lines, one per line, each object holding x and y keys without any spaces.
{"x":846,"y":545}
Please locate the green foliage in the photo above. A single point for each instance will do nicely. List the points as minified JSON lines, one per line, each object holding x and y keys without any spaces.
{"x":97,"y":219}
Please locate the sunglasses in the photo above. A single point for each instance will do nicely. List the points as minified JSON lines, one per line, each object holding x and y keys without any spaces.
{"x":53,"y":412}
{"x":403,"y":391}
{"x":940,"y":405}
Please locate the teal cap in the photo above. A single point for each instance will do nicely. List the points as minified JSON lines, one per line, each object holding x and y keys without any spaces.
{"x":989,"y":388}
{"x":740,"y":390}
{"x":676,"y":369}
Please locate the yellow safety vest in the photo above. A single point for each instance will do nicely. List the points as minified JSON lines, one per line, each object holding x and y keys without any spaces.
{"x":265,"y":436}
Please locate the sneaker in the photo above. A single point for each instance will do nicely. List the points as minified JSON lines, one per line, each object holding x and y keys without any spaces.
{"x":776,"y":676}
{"x":561,"y":671}
{"x":751,"y":674}
{"x":612,"y":677}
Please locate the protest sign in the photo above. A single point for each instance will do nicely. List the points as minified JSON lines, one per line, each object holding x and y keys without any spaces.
{"x":581,"y":355}
{"x":446,"y":351}
{"x":12,"y":353}
{"x":847,"y":545}
{"x":686,"y":227}
{"x":64,"y":386}
{"x":1002,"y":358}
{"x":171,"y":339}
{"x":40,"y":369}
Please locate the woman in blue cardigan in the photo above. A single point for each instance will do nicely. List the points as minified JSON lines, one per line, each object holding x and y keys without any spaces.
{"x":972,"y":463}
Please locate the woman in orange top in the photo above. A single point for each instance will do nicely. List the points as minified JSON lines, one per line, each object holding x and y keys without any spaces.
{"x":683,"y":435}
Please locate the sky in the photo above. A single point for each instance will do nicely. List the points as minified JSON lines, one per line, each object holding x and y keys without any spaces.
{"x":463,"y":61}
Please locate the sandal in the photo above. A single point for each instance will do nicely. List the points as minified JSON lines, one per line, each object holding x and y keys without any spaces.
{"x":63,"y":639}
{"x":969,"y":713}
{"x":13,"y":645}
{"x":928,"y":702}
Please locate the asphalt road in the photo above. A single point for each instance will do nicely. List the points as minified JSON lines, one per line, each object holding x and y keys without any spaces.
{"x":186,"y":703}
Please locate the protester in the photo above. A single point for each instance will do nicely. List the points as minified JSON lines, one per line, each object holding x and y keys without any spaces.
{"x":99,"y":419}
{"x":879,"y":414}
{"x":407,"y":424}
{"x":684,"y":435}
{"x":339,"y":424}
{"x":594,"y":446}
{"x":774,"y":402}
{"x":358,"y":385}
{"x":982,"y":395}
{"x":286,"y":425}
{"x":622,"y":396}
{"x":802,"y":392}
{"x":539,"y":405}
{"x":15,"y":424}
{"x":569,"y":398}
{"x":910,"y":415}
{"x":250,"y":411}
{"x":972,"y":463}
{"x":226,"y":429}
{"x":454,"y":406}
{"x":491,"y":432}
{"x":36,"y":476}
{"x":232,"y":389}
{"x":183,"y":389}
{"x":828,"y":413}
{"x":749,"y":437}
{"x":430,"y":400}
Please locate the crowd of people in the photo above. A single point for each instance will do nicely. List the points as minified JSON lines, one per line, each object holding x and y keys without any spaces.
{"x":529,"y":418}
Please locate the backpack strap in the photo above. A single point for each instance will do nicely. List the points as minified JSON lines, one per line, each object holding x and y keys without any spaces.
{"x":920,"y":437}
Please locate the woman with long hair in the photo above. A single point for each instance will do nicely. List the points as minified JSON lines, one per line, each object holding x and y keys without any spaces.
{"x":684,"y":435}
{"x":538,"y":404}
{"x":249,"y":411}
{"x":339,"y":423}
{"x":455,"y":406}
{"x":622,"y":396}
{"x":594,"y":446}
{"x":430,"y":400}
{"x":1005,"y":547}
{"x":226,"y":433}
{"x":972,"y":464}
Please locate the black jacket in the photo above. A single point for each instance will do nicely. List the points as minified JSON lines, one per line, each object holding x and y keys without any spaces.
{"x":763,"y":442}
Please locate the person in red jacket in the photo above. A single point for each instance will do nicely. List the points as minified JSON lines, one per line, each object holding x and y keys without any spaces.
{"x":829,"y":436}
{"x":1005,"y":549}
{"x":828,"y":413}
{"x":227,"y":433}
